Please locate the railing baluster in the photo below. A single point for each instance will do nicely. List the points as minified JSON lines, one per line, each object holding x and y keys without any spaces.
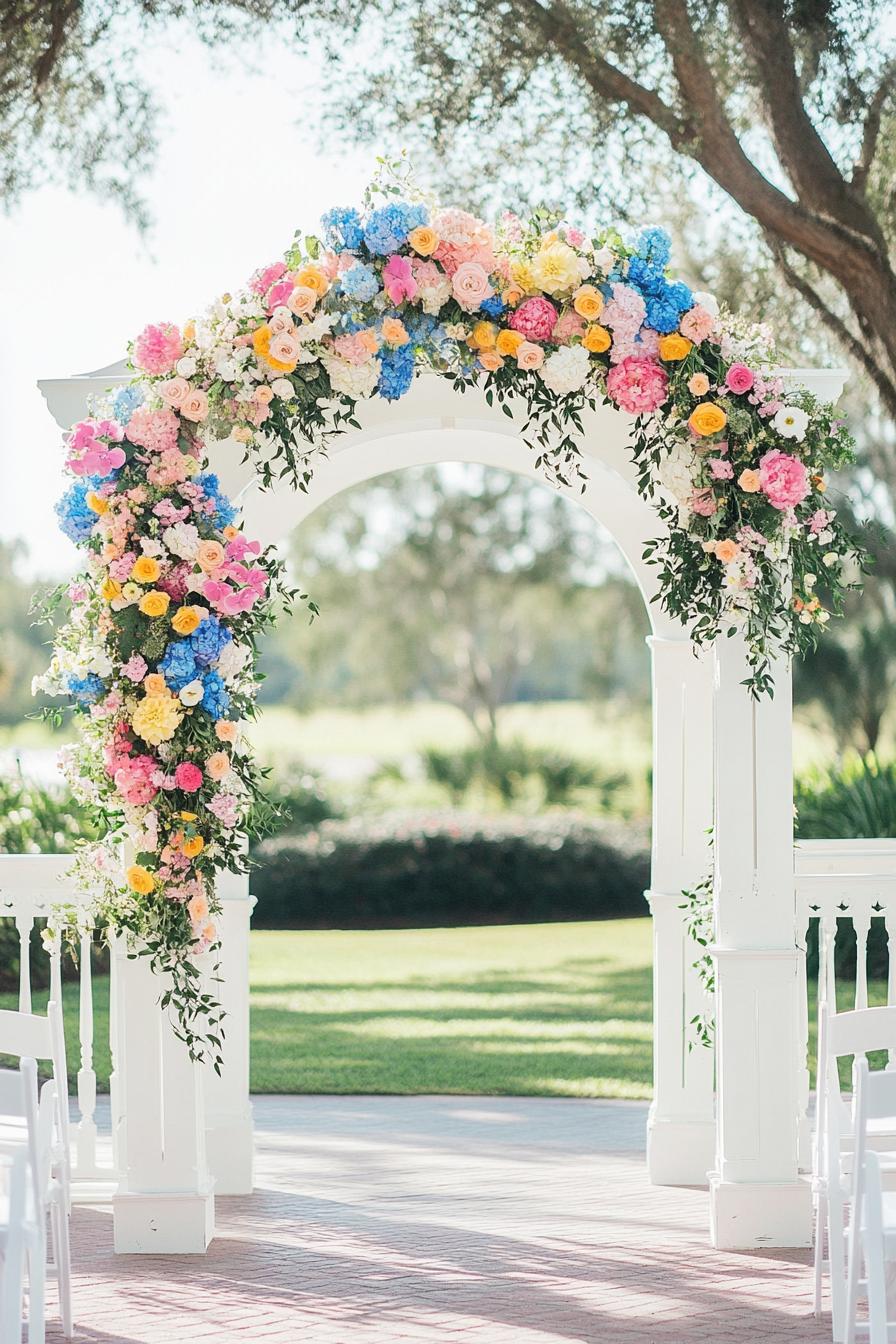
{"x":890,"y":926}
{"x":86,"y":1140}
{"x":24,"y":923}
{"x":861,"y":922}
{"x":827,"y":982}
{"x":805,"y":1131}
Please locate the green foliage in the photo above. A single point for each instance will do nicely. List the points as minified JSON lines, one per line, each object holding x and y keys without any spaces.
{"x":507,"y":769}
{"x":301,"y":800}
{"x":856,"y":800}
{"x":37,"y":820}
{"x":419,"y":871}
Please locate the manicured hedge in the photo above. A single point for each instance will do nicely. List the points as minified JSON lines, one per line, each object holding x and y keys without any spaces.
{"x":450,"y":869}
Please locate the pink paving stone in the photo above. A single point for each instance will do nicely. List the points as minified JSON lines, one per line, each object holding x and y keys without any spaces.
{"x":379,"y":1220}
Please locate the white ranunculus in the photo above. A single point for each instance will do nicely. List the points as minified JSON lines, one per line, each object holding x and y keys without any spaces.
{"x":191,"y":694}
{"x":566,"y":369}
{"x":186,"y":366}
{"x":791,"y":422}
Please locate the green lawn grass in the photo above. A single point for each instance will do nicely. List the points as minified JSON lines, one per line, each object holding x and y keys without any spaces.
{"x":542,"y":1010}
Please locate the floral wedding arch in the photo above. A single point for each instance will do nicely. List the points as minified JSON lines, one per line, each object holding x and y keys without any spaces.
{"x":158,"y":653}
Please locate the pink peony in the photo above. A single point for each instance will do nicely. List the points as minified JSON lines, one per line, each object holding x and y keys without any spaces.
{"x":188,"y":777}
{"x":638,"y":386}
{"x":697,"y":324}
{"x":278,"y":294}
{"x":154,"y":430}
{"x":158,"y":348}
{"x":739,"y":378}
{"x":783,"y":479}
{"x":535,"y":319}
{"x":470,"y":285}
{"x":398,"y":279}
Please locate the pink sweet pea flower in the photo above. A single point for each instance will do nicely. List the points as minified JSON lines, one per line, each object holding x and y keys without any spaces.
{"x":188,"y":777}
{"x":398,"y":279}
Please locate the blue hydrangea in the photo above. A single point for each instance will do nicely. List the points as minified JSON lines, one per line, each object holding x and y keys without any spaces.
{"x":125,"y":402}
{"x":76,"y":518}
{"x":207,"y":640}
{"x":342,"y":229}
{"x":86,"y":689}
{"x":679,"y":294}
{"x":655,"y":245}
{"x":661,"y":314}
{"x":178,"y":665}
{"x":388,"y":227}
{"x":493,"y":306}
{"x":225,"y":512}
{"x":215,"y":700}
{"x":396,"y":372}
{"x":646,"y":278}
{"x":420,"y":326}
{"x":360,"y":283}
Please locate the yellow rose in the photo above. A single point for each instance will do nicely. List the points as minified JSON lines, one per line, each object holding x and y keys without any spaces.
{"x":521,"y":274}
{"x":261,"y":340}
{"x":707,"y":418}
{"x":674,"y":347}
{"x":154,"y":603}
{"x":423,"y":240}
{"x":110,"y":589}
{"x":556,"y":269}
{"x":145,"y":569}
{"x":156,"y":718}
{"x":484,"y":335}
{"x":597,"y":339}
{"x":94,"y":502}
{"x":588,"y":302}
{"x":312,"y":277}
{"x":188,"y":816}
{"x":140,"y":879}
{"x":186,"y":619}
{"x":195,"y":845}
{"x":508,"y":342}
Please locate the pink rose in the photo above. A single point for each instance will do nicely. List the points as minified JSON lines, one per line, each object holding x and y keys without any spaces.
{"x":195,"y":405}
{"x":697,"y":324}
{"x":569,"y":325}
{"x":535,"y":319}
{"x":739,"y":378}
{"x":284,"y":347}
{"x":470,"y":285}
{"x":158,"y":348}
{"x":218,"y":765}
{"x":783,"y":479}
{"x":301,"y":301}
{"x":188,"y":777}
{"x":529,"y":356}
{"x":638,"y":386}
{"x":175,"y":391}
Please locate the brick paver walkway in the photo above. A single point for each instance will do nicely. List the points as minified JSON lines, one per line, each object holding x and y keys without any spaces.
{"x":412,"y":1219}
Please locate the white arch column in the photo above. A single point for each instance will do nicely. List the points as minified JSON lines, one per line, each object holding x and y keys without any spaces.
{"x":757,"y":1195}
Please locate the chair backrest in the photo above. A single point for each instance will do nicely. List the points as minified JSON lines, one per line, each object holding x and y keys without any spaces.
{"x":35,"y":1037}
{"x":12,"y":1268}
{"x":18,"y":1099}
{"x":864,"y":1029}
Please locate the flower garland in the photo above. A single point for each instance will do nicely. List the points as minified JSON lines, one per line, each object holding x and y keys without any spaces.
{"x":158,"y":654}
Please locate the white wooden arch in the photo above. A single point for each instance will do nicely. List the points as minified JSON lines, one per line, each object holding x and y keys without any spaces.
{"x":720,"y":759}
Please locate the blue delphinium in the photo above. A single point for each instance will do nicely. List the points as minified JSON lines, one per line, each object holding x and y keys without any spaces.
{"x":125,"y":402}
{"x":224,"y":511}
{"x":215,"y":700}
{"x":76,"y":518}
{"x":359,"y":282}
{"x":342,"y":228}
{"x":655,"y":245}
{"x":388,"y":226}
{"x":666,"y":306}
{"x":493,"y":306}
{"x":396,"y":372}
{"x":86,"y":689}
{"x":178,"y":665}
{"x":207,"y":640}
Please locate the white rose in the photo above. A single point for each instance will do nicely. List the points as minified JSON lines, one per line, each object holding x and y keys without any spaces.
{"x":791,"y":422}
{"x":191,"y":693}
{"x":282,"y":387}
{"x":186,"y":366}
{"x":604,"y":259}
{"x":566,"y":369}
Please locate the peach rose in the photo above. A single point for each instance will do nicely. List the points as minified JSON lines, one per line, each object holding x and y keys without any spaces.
{"x":174,"y":391}
{"x":491,"y":360}
{"x":302,"y":300}
{"x":217,"y":765}
{"x":263,"y":394}
{"x":394,"y":332}
{"x":749,"y":481}
{"x":312,"y":277}
{"x":154,"y":684}
{"x":726,"y":551}
{"x":284,"y":347}
{"x":197,"y":908}
{"x":423,"y":240}
{"x":470,"y":285}
{"x":210,"y":555}
{"x":529,"y":355}
{"x":226,"y":730}
{"x":195,"y":405}
{"x":698,"y":385}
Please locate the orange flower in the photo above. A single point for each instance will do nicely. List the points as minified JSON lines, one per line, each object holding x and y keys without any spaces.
{"x":483,"y":336}
{"x":186,"y":619}
{"x":96,"y":502}
{"x":197,"y":908}
{"x":820,"y":484}
{"x":230,"y":531}
{"x":154,"y":684}
{"x":512,"y":296}
{"x":508,"y":342}
{"x":145,"y":569}
{"x":490,"y":360}
{"x":597,"y":339}
{"x":423,"y":240}
{"x":674,"y":347}
{"x":195,"y":845}
{"x":726,"y":551}
{"x":139,"y":879}
{"x":588,"y":302}
{"x":749,"y":481}
{"x":707,"y":418}
{"x":210,"y":555}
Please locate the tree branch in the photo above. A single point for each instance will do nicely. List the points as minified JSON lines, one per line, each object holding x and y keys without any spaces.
{"x":871,"y":128}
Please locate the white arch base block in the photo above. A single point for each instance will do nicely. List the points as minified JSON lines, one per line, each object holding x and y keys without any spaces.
{"x":745,"y":1217}
{"x":163,"y":1224}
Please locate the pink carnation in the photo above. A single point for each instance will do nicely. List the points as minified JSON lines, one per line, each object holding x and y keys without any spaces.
{"x":157,"y":349}
{"x":154,"y":430}
{"x":783,"y":479}
{"x":188,"y":777}
{"x":739,"y":378}
{"x":697,"y":324}
{"x":535,"y":319}
{"x":638,"y":386}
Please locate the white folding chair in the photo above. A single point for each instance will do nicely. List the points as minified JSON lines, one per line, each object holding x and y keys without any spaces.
{"x":872,"y":1234}
{"x":854,"y":1033}
{"x":30,"y":1036}
{"x":12,"y":1242}
{"x":18,"y":1101}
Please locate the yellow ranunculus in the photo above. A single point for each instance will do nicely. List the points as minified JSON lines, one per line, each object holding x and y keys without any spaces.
{"x":508,"y":342}
{"x":588,"y":302}
{"x":707,"y":418}
{"x":154,"y":603}
{"x":521,"y":274}
{"x":597,"y":339}
{"x":140,"y":879}
{"x":185,"y":620}
{"x":312,"y":277}
{"x":95,"y":502}
{"x":484,"y":335}
{"x":156,"y":718}
{"x":145,"y":569}
{"x":423,"y":240}
{"x":556,"y":268}
{"x":674,"y":347}
{"x":110,"y":589}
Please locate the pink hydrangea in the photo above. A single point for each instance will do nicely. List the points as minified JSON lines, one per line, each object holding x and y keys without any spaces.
{"x":697,"y":324}
{"x":169,"y":468}
{"x":188,"y":777}
{"x":783,"y":479}
{"x":135,"y":668}
{"x":720,"y":469}
{"x":134,"y":779}
{"x":535,"y":319}
{"x":703,"y":503}
{"x":625,"y":311}
{"x":739,"y":378}
{"x":353,"y":348}
{"x":154,"y":430}
{"x":224,"y":806}
{"x":463,"y":237}
{"x":158,"y":348}
{"x":644,"y":345}
{"x":819,"y":521}
{"x":638,"y":386}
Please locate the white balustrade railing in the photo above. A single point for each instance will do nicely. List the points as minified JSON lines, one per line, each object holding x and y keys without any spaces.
{"x":30,"y":885}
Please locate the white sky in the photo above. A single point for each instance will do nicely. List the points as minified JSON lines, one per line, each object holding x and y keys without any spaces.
{"x":237,"y":173}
